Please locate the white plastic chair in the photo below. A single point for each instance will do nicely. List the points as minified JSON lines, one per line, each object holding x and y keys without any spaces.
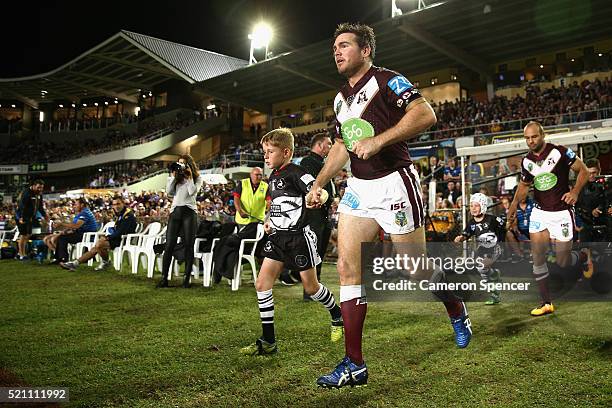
{"x":205,"y":259}
{"x":250,"y":256}
{"x":4,"y":236}
{"x":133,"y":243}
{"x":146,"y":254}
{"x":89,"y":241}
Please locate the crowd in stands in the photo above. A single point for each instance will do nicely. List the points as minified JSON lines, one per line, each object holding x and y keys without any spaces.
{"x":124,"y":173}
{"x":551,"y":106}
{"x":32,"y":150}
{"x":251,"y":154}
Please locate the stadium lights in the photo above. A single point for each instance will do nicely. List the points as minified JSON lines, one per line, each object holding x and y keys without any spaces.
{"x":60,"y":105}
{"x":600,"y":54}
{"x":573,"y":60}
{"x":260,"y":38}
{"x":41,"y":116}
{"x":85,"y":105}
{"x":116,"y":101}
{"x":211,"y":106}
{"x":541,"y":66}
{"x":13,"y":106}
{"x":74,"y":105}
{"x":95,"y":103}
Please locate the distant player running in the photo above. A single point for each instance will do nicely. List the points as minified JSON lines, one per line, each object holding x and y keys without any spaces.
{"x":291,"y":243}
{"x":547,"y":167}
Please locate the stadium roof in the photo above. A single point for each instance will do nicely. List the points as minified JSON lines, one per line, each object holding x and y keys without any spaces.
{"x":121,"y":67}
{"x":475,"y":34}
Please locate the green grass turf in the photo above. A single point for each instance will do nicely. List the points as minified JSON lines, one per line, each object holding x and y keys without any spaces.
{"x":115,"y":341}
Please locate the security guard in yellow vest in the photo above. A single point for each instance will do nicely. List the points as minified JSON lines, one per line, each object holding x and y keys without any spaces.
{"x":251,"y":199}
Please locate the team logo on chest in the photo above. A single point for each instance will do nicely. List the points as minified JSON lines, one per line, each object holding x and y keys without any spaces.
{"x":279,"y":184}
{"x":362,"y":97}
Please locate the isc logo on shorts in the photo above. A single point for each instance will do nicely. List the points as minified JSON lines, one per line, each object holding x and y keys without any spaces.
{"x":398,"y":206}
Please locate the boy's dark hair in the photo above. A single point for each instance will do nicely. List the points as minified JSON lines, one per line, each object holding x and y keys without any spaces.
{"x":365,"y":35}
{"x":318,"y":138}
{"x":37,"y":181}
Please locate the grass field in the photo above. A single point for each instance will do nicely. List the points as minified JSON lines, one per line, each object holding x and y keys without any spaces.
{"x":115,"y":341}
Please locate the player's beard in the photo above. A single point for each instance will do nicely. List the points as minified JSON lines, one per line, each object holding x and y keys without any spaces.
{"x":538,"y":149}
{"x":349,"y":70}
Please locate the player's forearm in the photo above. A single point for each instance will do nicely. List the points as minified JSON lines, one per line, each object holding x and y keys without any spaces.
{"x":417,"y":119}
{"x":336,"y":160}
{"x":581,"y":180}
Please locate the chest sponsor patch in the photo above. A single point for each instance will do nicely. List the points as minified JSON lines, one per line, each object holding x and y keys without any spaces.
{"x":545,"y":181}
{"x":354,"y":130}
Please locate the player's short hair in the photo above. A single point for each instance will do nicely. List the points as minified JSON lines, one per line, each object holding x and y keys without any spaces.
{"x":281,"y":137}
{"x":592,"y":163}
{"x":37,"y":182}
{"x":365,"y":35}
{"x":318,"y":138}
{"x":83,"y":201}
{"x":537,"y":124}
{"x":118,"y":198}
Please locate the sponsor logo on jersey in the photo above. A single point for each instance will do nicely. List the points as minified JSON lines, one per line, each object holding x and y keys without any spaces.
{"x":400,"y":102}
{"x":399,"y":84}
{"x":354,"y":130}
{"x":570,"y":154}
{"x":545,"y":181}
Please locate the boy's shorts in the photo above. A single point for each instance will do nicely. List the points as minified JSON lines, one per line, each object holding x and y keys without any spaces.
{"x":297,"y":250}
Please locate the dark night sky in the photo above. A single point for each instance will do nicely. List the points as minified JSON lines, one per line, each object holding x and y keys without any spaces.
{"x":39,"y":38}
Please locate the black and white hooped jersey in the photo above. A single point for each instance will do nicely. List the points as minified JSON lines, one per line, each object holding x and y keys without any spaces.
{"x":487,"y":233}
{"x":288,"y":187}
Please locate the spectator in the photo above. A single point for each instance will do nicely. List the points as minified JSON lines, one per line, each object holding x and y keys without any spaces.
{"x":125,"y":223}
{"x":83,"y":222}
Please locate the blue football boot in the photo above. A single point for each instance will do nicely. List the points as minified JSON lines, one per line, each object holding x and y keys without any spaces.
{"x":345,"y":373}
{"x":463,"y":328}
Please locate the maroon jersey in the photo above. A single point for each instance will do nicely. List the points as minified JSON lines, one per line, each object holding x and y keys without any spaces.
{"x":549,"y":173}
{"x":376,"y":103}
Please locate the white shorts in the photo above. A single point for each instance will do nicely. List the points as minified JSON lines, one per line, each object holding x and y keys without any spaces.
{"x":560,"y":224}
{"x":395,"y":201}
